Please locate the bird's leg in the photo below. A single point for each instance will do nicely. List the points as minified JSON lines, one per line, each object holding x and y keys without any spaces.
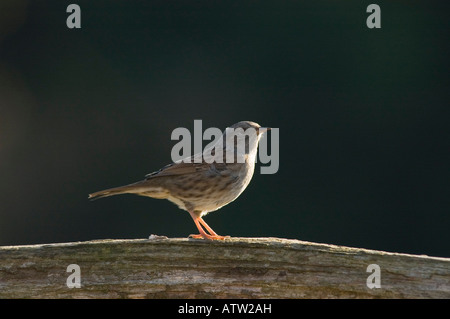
{"x":199,"y":222}
{"x":202,"y":234}
{"x":209,"y":229}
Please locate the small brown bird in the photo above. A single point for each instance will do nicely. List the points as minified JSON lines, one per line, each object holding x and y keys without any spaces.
{"x":206,"y":181}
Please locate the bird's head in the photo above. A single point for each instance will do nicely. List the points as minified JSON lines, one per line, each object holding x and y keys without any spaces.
{"x":244,"y":136}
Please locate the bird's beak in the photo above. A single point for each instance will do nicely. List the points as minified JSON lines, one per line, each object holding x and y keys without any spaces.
{"x":263,"y":130}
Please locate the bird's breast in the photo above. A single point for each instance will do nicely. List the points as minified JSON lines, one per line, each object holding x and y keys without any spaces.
{"x":211,"y":190}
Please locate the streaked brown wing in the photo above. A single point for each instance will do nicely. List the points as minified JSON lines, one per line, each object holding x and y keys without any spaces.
{"x":181,"y":168}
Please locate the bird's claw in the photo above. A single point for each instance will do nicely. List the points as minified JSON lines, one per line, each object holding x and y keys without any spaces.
{"x":208,"y":237}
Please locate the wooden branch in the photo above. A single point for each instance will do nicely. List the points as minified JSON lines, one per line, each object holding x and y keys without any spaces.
{"x":234,"y":268}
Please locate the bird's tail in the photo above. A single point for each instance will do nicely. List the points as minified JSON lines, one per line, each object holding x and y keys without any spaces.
{"x":138,"y":188}
{"x":108,"y":192}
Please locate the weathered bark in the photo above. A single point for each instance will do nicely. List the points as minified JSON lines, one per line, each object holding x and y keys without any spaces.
{"x":234,"y":268}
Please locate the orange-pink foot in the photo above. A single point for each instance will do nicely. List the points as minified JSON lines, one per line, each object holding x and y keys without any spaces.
{"x":208,"y":237}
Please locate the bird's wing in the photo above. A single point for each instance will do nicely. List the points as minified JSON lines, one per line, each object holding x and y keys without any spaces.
{"x":181,"y":168}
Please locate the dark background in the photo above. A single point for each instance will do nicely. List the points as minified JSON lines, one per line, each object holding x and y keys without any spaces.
{"x":363,"y":117}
